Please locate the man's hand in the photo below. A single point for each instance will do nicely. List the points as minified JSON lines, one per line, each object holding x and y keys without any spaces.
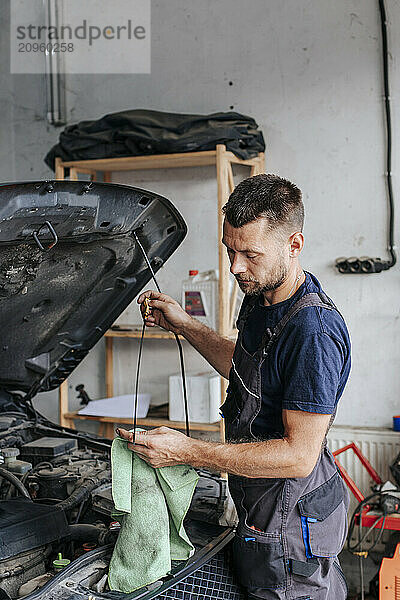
{"x":165,"y":312}
{"x":161,"y":447}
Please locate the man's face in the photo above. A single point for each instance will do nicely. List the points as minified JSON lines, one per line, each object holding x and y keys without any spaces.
{"x":259,"y":258}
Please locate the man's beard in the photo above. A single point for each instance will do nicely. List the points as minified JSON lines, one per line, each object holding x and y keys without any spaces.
{"x":252,"y":287}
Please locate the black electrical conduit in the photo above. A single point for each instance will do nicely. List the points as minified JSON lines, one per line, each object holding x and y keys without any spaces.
{"x":83,"y":492}
{"x":385,"y":57}
{"x":15,"y":482}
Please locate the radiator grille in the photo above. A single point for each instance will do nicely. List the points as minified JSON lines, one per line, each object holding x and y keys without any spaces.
{"x":212,"y":581}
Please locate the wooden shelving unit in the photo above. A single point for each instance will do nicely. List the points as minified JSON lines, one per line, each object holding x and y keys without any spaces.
{"x":223,"y":160}
{"x":127,"y":332}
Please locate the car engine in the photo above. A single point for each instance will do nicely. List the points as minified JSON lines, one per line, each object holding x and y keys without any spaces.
{"x":55,"y":501}
{"x":47,"y":487}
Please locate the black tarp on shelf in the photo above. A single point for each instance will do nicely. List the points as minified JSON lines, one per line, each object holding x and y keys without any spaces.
{"x":140,"y":132}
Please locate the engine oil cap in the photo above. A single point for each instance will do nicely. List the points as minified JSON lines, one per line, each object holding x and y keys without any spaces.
{"x":60,"y":562}
{"x":10,"y":452}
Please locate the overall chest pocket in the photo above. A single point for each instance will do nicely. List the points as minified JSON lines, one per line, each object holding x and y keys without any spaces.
{"x":258,"y":559}
{"x":323,"y":514}
{"x":231,"y":411}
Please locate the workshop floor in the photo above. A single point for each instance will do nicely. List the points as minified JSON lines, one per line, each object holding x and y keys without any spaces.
{"x":351,"y":568}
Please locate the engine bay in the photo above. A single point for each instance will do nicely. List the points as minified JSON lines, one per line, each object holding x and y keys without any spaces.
{"x":56,"y":502}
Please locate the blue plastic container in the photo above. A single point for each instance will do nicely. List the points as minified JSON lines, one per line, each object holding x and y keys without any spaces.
{"x":396,"y":423}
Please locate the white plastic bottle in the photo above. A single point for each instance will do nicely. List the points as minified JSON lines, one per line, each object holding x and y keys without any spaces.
{"x":200,"y":296}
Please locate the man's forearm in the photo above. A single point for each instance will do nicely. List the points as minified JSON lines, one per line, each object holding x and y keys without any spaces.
{"x":271,"y":458}
{"x":218,"y":351}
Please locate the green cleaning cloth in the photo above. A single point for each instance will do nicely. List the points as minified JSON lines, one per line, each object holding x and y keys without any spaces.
{"x":150,"y":505}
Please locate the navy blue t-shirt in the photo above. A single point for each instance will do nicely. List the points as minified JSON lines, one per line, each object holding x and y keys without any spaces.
{"x":307,"y":368}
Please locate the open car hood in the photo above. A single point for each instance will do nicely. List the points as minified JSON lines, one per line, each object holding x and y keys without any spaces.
{"x":69,"y":265}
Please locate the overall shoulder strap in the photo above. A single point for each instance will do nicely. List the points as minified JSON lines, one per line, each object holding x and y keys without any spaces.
{"x":247,"y":306}
{"x":318,"y":299}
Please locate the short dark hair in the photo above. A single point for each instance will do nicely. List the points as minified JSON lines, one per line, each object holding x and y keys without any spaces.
{"x":268,"y":196}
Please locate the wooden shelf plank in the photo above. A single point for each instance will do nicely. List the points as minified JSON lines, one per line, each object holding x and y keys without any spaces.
{"x":148,"y":421}
{"x":154,"y":161}
{"x":130,"y":331}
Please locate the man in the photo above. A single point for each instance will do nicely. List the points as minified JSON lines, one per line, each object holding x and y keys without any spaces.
{"x":286,"y":374}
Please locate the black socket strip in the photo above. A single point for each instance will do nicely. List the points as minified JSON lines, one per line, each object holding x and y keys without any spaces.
{"x":362,"y":265}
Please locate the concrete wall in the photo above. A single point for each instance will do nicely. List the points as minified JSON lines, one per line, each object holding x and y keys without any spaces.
{"x":309,"y":71}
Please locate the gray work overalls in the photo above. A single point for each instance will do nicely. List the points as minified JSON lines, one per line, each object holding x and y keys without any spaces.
{"x":290,"y":530}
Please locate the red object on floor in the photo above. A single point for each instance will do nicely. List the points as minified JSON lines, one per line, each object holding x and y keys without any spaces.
{"x":368,"y":518}
{"x":389,"y":572}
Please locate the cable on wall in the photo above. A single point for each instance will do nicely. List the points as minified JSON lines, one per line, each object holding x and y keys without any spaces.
{"x":366,"y":264}
{"x":388,"y":116}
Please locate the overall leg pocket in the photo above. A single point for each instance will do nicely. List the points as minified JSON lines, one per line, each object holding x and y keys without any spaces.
{"x":323,"y":515}
{"x":259,"y":559}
